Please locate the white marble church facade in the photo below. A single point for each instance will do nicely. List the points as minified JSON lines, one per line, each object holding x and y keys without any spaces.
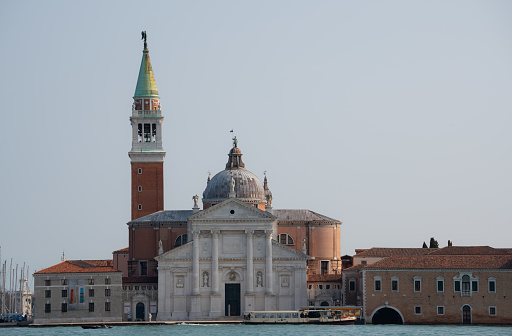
{"x":232,"y":265}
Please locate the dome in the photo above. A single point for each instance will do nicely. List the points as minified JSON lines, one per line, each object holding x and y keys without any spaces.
{"x":248,"y":187}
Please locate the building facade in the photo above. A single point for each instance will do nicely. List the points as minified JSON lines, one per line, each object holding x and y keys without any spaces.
{"x":451,"y":285}
{"x":78,"y":291}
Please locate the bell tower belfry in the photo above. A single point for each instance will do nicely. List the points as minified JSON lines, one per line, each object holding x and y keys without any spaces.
{"x":146,"y":154}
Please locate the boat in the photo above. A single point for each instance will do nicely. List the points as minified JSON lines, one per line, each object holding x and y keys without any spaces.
{"x":306,"y":316}
{"x":95,"y":326}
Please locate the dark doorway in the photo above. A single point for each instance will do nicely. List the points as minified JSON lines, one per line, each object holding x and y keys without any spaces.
{"x":232,"y":303}
{"x":466,"y":314}
{"x":139,"y":312}
{"x":324,"y":303}
{"x":387,"y":316}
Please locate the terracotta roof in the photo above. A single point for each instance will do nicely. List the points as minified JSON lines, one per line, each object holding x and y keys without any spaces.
{"x":354,"y":268}
{"x":324,"y":277}
{"x":121,"y":251}
{"x":391,"y":251}
{"x":445,"y":262}
{"x":80,"y":266}
{"x":470,"y":250}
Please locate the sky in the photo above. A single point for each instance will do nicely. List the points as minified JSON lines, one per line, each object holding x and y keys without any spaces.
{"x":391,"y":116}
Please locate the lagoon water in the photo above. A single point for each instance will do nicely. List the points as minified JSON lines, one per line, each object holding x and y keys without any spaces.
{"x":266,"y":330}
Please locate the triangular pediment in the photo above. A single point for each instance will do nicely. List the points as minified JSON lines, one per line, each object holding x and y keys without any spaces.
{"x":232,"y":209}
{"x":182,"y":252}
{"x":285,"y":252}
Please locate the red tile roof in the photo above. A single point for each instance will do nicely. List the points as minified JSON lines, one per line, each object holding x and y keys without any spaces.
{"x":470,"y":250}
{"x":354,"y":268}
{"x":445,"y":262}
{"x":324,"y":277}
{"x":121,"y":251}
{"x":81,"y":266}
{"x":391,"y":251}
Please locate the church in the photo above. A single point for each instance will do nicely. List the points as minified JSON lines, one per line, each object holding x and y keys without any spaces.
{"x":235,"y":253}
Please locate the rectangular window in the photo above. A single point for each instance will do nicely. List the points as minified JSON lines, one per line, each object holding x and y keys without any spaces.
{"x":456,"y":286}
{"x":64,"y":282}
{"x":136,"y":288}
{"x":417,"y":310}
{"x":64,"y":293}
{"x":378,"y":285}
{"x":107,"y":281}
{"x":91,"y":306}
{"x":394,"y":285}
{"x":91,"y":292}
{"x":107,"y":291}
{"x":327,"y":286}
{"x":139,"y":207}
{"x":64,"y":307}
{"x":91,"y":282}
{"x":107,"y":306}
{"x":440,"y":310}
{"x":492,"y":286}
{"x":337,"y":286}
{"x":139,"y":171}
{"x":47,"y":282}
{"x":474,"y":286}
{"x":47,"y":308}
{"x":492,"y":311}
{"x":48,"y":293}
{"x":320,"y":286}
{"x":363,"y":262}
{"x":140,"y":188}
{"x":324,"y":265}
{"x":440,"y":285}
{"x":417,"y":285}
{"x":310,"y":286}
{"x":143,"y":267}
{"x":352,"y":285}
{"x":82,"y":295}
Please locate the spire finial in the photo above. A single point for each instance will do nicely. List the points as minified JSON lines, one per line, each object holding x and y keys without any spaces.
{"x":63,"y":258}
{"x":145,"y":38}
{"x":209,"y":177}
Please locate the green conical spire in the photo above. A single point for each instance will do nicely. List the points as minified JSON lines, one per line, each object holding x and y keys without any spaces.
{"x":146,"y":85}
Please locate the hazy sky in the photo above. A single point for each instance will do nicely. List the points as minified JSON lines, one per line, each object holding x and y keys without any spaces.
{"x":391,"y":116}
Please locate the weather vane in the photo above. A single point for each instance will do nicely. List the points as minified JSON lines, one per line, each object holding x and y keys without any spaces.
{"x":145,"y":38}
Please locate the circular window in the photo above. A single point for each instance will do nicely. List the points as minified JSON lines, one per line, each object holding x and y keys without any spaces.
{"x":232,"y":212}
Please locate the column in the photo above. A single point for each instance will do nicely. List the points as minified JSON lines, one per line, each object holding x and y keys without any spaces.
{"x":250,"y":257}
{"x":195,"y":262}
{"x":268,"y":262}
{"x":215,"y":262}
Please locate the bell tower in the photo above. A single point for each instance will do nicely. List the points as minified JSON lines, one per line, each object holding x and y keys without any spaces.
{"x":146,"y":154}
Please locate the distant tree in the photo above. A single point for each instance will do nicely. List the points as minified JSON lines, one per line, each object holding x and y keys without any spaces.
{"x":433,"y":243}
{"x":425,"y":245}
{"x":450,"y":243}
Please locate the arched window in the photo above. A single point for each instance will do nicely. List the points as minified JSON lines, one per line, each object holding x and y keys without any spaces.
{"x":285,"y":239}
{"x":182,"y":239}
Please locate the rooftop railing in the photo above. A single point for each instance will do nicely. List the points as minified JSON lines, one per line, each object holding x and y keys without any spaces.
{"x":147,"y":113}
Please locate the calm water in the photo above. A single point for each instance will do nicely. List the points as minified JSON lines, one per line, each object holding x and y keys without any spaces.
{"x":270,"y":330}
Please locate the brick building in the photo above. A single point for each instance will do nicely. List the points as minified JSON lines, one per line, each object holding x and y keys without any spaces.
{"x":451,"y":285}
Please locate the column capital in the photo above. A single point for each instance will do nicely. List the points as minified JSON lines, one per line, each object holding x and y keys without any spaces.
{"x":195,"y":233}
{"x":215,"y":232}
{"x":249,"y":233}
{"x":269,"y":233}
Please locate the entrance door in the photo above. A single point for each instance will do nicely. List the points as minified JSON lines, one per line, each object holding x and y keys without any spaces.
{"x":139,"y":312}
{"x":232,"y":302}
{"x":466,"y":314}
